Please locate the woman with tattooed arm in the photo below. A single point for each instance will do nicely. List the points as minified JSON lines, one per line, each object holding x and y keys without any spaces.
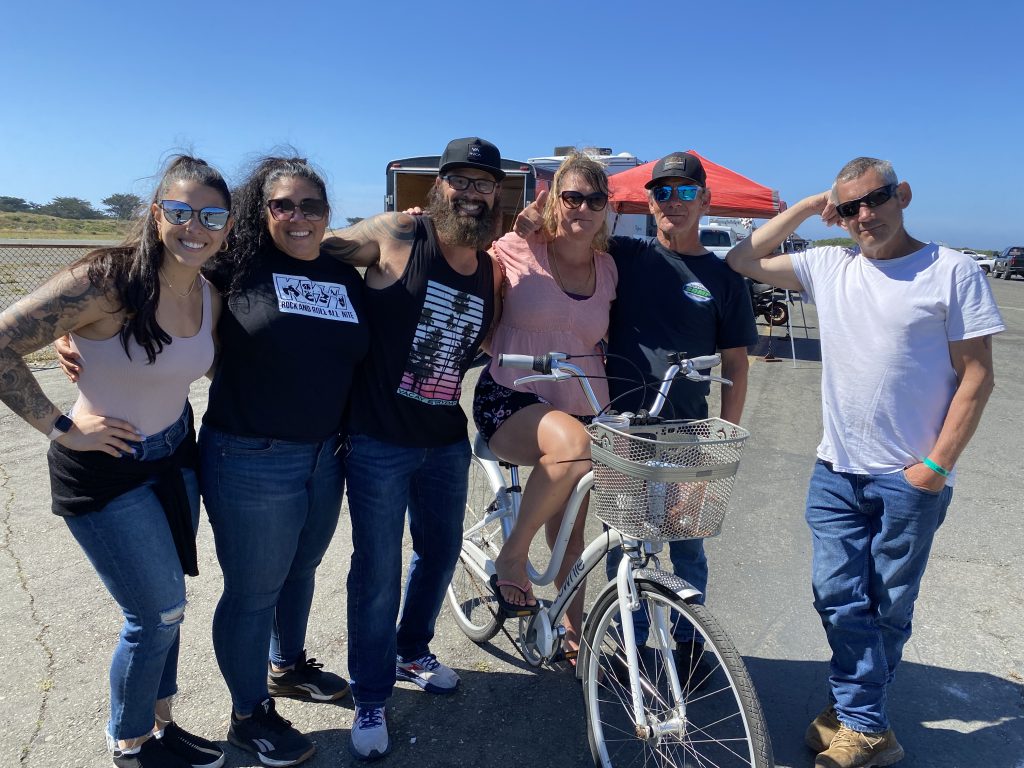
{"x":122,"y":464}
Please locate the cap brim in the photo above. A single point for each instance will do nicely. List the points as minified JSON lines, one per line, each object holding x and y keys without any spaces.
{"x":653,"y":182}
{"x":498,"y":175}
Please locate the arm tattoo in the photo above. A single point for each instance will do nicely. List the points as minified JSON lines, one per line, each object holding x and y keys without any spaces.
{"x":58,"y":306}
{"x":360,"y":244}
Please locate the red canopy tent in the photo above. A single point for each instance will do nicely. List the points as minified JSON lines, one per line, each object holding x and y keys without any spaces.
{"x":731,"y":193}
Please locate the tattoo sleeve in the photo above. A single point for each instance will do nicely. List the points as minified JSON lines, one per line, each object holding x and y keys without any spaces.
{"x":360,"y":244}
{"x":64,"y":303}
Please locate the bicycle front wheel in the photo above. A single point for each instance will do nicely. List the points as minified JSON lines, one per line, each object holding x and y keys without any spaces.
{"x":469,"y":595}
{"x":716,"y":721}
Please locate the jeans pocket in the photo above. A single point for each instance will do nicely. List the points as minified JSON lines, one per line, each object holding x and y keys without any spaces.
{"x":925,"y":491}
{"x":246,"y":446}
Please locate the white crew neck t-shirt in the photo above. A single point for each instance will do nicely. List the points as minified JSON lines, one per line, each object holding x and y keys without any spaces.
{"x":885,"y":327}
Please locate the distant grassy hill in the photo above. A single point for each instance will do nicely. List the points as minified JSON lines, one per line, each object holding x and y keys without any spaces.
{"x":39,"y":226}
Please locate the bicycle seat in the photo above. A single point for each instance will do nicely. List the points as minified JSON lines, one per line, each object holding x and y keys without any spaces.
{"x":482,"y":451}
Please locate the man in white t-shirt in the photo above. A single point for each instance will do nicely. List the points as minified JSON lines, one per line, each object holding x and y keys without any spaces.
{"x":906,"y":340}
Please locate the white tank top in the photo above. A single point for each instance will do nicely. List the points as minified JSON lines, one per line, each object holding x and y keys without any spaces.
{"x":151,"y":397}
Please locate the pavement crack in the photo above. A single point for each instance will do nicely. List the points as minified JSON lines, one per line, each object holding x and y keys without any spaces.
{"x":7,"y":497}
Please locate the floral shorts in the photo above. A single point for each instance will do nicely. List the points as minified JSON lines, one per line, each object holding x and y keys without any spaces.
{"x":493,"y":404}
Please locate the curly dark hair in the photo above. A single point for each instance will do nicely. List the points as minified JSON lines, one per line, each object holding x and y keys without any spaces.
{"x":230,"y":270}
{"x":130,"y":272}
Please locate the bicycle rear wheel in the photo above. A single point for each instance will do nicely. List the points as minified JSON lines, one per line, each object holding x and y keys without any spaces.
{"x":717,"y":721}
{"x":469,"y":595}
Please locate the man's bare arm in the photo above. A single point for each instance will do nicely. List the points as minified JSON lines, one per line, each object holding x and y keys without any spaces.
{"x":361,"y":244}
{"x":736,"y":368}
{"x":972,"y":361}
{"x":751,"y":257}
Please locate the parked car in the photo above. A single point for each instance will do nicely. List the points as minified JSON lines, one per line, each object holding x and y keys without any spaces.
{"x":985,"y":262}
{"x":1009,"y":263}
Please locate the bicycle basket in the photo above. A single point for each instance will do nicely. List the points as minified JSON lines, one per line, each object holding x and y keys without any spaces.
{"x":665,"y":481}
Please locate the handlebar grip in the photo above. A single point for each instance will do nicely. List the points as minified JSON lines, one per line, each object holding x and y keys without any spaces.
{"x":527,"y":362}
{"x":705,"y":362}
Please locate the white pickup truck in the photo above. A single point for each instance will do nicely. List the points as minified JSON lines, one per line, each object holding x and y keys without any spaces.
{"x":983,"y":261}
{"x":718,"y":239}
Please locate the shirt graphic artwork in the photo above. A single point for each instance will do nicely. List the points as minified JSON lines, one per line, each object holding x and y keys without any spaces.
{"x":299,"y":295}
{"x":449,"y":324}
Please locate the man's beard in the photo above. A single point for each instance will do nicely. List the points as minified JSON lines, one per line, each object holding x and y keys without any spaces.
{"x":455,"y":229}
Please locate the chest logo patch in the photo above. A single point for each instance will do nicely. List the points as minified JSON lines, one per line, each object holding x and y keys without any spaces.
{"x":297,"y":295}
{"x":697,"y":292}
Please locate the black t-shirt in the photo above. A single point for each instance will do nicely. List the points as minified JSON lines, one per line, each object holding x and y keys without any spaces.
{"x":290,"y":341}
{"x":666,"y":302}
{"x":425,"y":330}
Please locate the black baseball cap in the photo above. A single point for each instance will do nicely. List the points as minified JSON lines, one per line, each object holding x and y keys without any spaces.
{"x":472,"y":152}
{"x":678,"y":165}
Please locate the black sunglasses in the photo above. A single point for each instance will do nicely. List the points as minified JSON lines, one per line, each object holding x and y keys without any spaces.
{"x":281,"y":208}
{"x":177,"y":212}
{"x":686,"y":192}
{"x":596,"y":201}
{"x":459,"y":183}
{"x":872,"y":199}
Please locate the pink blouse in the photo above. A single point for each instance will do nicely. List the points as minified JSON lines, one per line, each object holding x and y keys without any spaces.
{"x":538,"y":317}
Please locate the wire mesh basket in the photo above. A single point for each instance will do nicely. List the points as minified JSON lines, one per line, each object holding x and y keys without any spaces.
{"x":665,"y":481}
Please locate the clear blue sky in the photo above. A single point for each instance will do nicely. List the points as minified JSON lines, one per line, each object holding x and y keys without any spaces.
{"x":96,"y":94}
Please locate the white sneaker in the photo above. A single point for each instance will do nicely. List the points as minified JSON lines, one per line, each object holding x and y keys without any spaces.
{"x":370,"y":739}
{"x":428,"y":673}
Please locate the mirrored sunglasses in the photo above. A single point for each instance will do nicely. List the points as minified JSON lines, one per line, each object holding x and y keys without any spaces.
{"x":312,"y":208}
{"x":177,"y":212}
{"x":872,"y":199}
{"x":685,"y":192}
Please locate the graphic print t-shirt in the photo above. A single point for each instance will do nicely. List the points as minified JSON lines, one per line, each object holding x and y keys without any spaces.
{"x":426,"y":329}
{"x":290,"y":342}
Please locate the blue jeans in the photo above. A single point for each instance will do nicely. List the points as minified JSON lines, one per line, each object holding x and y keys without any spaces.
{"x":871,"y":536}
{"x":688,"y":563}
{"x":384,"y":481}
{"x":273,"y":505}
{"x":129,"y":544}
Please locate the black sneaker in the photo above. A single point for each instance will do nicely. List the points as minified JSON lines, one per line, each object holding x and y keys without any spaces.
{"x":194,"y":750}
{"x":270,"y":737}
{"x":307,"y":680}
{"x":152,"y":754}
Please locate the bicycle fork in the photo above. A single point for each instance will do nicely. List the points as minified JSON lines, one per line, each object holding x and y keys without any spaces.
{"x":648,"y":729}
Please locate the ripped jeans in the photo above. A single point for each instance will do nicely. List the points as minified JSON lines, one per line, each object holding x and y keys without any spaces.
{"x":129,"y":544}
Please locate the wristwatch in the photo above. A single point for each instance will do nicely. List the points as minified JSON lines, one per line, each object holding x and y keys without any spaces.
{"x":60,"y":427}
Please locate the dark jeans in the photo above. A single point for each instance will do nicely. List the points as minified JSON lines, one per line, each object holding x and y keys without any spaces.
{"x":385,"y":481}
{"x":273,"y":505}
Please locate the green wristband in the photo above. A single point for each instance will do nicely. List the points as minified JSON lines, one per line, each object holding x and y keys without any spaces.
{"x":935,"y":467}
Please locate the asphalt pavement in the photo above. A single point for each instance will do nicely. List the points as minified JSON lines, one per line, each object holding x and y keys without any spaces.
{"x":958,"y":699}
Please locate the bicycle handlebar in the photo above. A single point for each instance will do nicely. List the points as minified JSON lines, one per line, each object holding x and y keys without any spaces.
{"x":553,"y":366}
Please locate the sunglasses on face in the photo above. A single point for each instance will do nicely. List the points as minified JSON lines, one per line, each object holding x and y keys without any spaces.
{"x":282,"y":208}
{"x":459,"y":183}
{"x":872,"y":199}
{"x":685,"y":192}
{"x":177,"y":212}
{"x":596,"y":201}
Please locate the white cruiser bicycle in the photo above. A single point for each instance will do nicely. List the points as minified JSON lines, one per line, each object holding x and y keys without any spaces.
{"x":652,"y":481}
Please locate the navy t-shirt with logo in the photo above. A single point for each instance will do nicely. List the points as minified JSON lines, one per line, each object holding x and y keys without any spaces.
{"x":666,"y":302}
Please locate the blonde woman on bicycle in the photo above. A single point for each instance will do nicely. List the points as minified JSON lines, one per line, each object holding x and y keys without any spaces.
{"x":558,"y":289}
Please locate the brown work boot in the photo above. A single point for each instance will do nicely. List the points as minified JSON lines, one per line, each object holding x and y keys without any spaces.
{"x":822,"y":729}
{"x":853,"y":749}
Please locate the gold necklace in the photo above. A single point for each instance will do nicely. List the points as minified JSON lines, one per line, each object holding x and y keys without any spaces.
{"x":187,"y":293}
{"x":558,"y":278}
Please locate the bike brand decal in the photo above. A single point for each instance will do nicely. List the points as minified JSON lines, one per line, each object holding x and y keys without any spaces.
{"x":298,"y":295}
{"x":697,"y":292}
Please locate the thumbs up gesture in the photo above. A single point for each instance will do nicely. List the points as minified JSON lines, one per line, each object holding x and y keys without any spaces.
{"x":530,"y":219}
